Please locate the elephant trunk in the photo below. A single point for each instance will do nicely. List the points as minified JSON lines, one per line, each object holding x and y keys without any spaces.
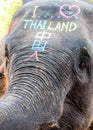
{"x":30,"y":102}
{"x":36,"y":93}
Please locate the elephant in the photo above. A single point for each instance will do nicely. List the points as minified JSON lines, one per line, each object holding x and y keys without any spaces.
{"x":49,"y":64}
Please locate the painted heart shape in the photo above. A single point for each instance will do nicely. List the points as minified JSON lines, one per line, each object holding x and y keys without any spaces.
{"x":71,"y":8}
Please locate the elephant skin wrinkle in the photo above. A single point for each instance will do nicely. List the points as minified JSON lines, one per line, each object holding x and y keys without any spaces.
{"x":49,"y":66}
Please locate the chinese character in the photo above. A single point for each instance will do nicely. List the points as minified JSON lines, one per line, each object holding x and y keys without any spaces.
{"x":34,"y":55}
{"x":39,"y":45}
{"x":43,"y":35}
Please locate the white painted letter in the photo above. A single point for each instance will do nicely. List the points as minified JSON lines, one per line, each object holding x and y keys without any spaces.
{"x":26,"y":23}
{"x":58,"y":26}
{"x":72,"y":27}
{"x":49,"y":27}
{"x":65,"y":26}
{"x":41,"y":25}
{"x":34,"y":13}
{"x":33,"y":24}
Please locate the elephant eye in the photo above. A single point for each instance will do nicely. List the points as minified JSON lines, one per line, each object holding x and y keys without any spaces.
{"x":6,"y":56}
{"x":84,"y":62}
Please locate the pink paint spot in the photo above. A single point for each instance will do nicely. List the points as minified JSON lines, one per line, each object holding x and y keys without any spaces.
{"x":35,"y":54}
{"x":71,"y":9}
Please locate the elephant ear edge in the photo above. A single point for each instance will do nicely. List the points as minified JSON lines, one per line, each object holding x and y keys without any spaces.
{"x":83,"y":66}
{"x":88,"y":18}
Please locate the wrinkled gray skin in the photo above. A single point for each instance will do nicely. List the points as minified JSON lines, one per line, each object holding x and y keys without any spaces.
{"x":57,"y":89}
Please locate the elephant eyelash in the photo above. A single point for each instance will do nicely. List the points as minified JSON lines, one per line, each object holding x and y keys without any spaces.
{"x":6,"y":57}
{"x":7,"y":61}
{"x":6,"y":54}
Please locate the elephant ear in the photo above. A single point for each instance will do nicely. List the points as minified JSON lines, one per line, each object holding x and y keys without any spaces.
{"x":88,"y":18}
{"x":83,"y":62}
{"x":83,"y":66}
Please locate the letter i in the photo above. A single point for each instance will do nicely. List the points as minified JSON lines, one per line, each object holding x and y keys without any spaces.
{"x":34,"y":13}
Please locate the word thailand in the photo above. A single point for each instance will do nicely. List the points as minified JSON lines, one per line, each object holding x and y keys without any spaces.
{"x":52,"y":26}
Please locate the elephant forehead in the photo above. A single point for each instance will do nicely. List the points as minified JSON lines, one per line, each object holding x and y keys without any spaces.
{"x":44,"y":23}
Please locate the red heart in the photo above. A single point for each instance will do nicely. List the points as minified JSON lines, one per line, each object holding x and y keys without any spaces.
{"x":71,"y":7}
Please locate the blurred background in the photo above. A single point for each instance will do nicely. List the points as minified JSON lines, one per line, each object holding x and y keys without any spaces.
{"x":7,"y":9}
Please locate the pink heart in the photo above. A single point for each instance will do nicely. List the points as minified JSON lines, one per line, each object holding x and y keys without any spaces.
{"x":70,"y":8}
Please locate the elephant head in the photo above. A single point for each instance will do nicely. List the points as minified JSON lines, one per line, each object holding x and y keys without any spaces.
{"x":49,"y":63}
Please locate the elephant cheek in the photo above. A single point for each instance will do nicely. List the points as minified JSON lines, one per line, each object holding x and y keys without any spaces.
{"x":3,"y":80}
{"x":3,"y":84}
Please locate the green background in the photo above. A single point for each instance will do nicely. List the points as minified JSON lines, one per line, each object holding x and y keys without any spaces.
{"x":7,"y":9}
